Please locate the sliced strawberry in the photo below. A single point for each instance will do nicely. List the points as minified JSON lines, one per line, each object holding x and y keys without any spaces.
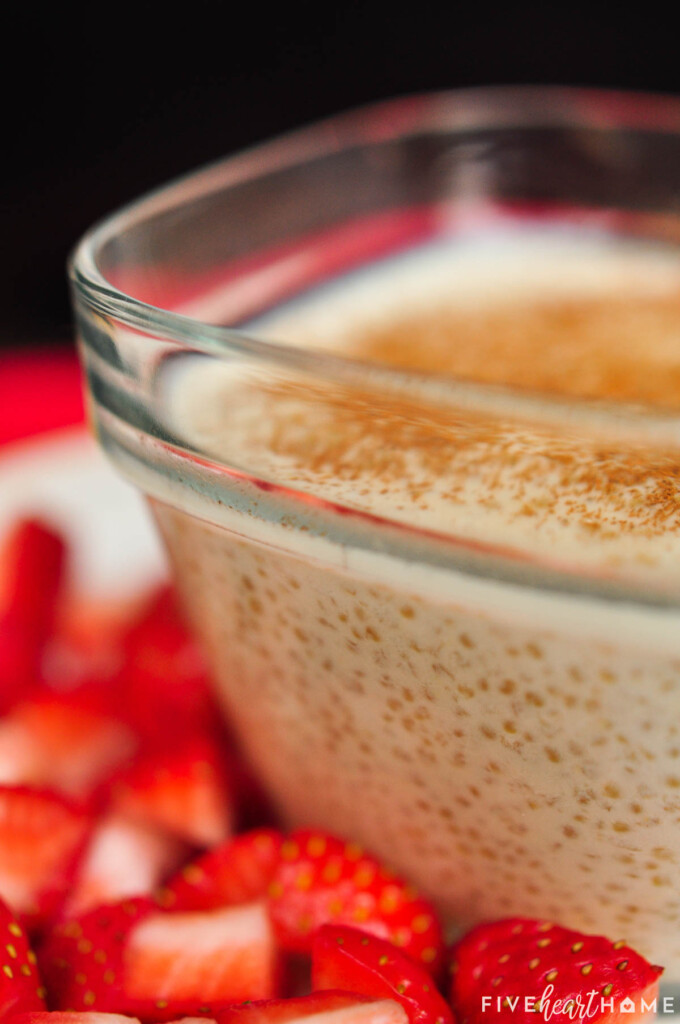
{"x":322,"y":879}
{"x":85,"y":652}
{"x":41,"y":838}
{"x":124,"y":858}
{"x":32,"y":574}
{"x":213,"y":958}
{"x":317,"y":1008}
{"x":33,"y":564}
{"x":516,"y":957}
{"x":70,"y":1017}
{"x":238,"y":871}
{"x":131,"y":958}
{"x":82,"y":959}
{"x":61,"y":742}
{"x":164,"y":682}
{"x":193,"y":1020}
{"x":183,"y":789}
{"x":349,"y":959}
{"x":21,"y":989}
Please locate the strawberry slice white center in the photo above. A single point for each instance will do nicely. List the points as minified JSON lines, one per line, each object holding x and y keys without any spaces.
{"x":124,"y":858}
{"x":39,"y":835}
{"x":382,"y":1011}
{"x":72,"y":1017}
{"x":68,"y":748}
{"x":221,"y":955}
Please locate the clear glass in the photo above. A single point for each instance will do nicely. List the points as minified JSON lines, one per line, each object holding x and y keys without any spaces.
{"x":495,"y":709}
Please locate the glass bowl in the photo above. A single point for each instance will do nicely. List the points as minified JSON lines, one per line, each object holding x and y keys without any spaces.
{"x":440,"y":591}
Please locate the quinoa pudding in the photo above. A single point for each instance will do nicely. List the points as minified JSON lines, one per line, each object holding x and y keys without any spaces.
{"x":403,"y":391}
{"x":513,"y":751}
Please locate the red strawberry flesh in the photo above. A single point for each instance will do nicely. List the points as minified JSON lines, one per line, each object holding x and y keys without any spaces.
{"x":317,"y":1008}
{"x":124,"y":858}
{"x":351,"y":960}
{"x":189,"y":959}
{"x":322,"y":879}
{"x":164,"y":682}
{"x":42,"y":836}
{"x":54,"y":741}
{"x":132,"y":958}
{"x":32,"y":576}
{"x":33,"y":567}
{"x":182,"y":789}
{"x":72,"y":1017}
{"x":21,"y":989}
{"x":81,"y":959}
{"x":238,"y":871}
{"x":498,"y":962}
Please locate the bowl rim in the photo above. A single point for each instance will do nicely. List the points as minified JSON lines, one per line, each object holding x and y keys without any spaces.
{"x":387,"y":120}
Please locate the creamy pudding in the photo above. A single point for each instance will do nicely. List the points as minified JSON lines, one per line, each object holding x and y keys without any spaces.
{"x":440,"y":616}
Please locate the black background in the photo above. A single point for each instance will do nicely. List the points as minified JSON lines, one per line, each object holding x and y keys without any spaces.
{"x":107,"y":102}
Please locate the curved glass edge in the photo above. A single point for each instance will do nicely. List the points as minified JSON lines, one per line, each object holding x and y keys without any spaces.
{"x":478,"y":107}
{"x":117,"y":387}
{"x":389,"y":120}
{"x":165,"y":468}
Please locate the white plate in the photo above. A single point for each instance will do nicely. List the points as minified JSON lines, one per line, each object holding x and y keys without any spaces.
{"x":63,"y":477}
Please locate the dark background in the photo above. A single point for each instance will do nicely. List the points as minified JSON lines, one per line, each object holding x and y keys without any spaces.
{"x":106,"y":103}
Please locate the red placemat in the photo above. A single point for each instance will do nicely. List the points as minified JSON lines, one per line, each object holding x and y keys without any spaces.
{"x":40,"y":390}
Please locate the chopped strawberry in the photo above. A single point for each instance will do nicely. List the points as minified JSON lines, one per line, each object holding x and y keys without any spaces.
{"x":21,"y":989}
{"x":322,"y":879}
{"x":183,"y":789}
{"x":70,"y":1017}
{"x":349,"y":959}
{"x":193,"y":1020}
{"x":238,"y":871}
{"x":211,"y":958}
{"x":164,"y":682}
{"x":82,"y":959}
{"x":85,"y":652}
{"x":33,"y":564}
{"x":504,"y":968}
{"x":61,"y":742}
{"x":317,"y":1008}
{"x":32,"y":574}
{"x":124,"y":858}
{"x":132,"y":958}
{"x":41,"y":838}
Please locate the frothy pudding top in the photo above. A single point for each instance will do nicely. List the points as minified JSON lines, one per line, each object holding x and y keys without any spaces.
{"x":557,"y":313}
